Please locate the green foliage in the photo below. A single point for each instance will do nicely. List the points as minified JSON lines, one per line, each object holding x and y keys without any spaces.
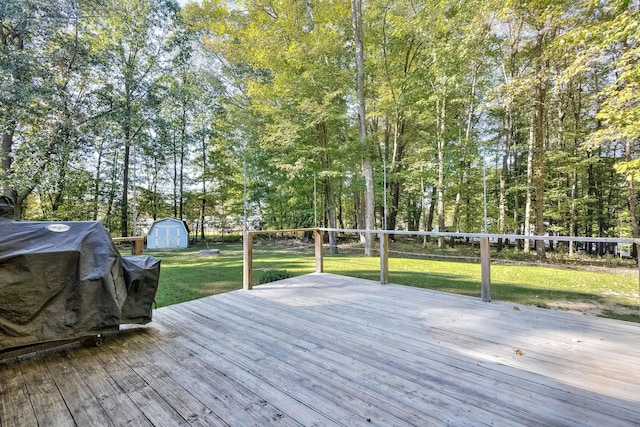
{"x":88,"y":89}
{"x":272,"y":275}
{"x":228,"y":238}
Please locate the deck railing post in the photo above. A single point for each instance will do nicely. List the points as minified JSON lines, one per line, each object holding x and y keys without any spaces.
{"x":485,"y":265}
{"x":384,"y":258}
{"x":138,"y":246}
{"x":137,"y":243}
{"x":247,"y":274}
{"x":317,"y":238}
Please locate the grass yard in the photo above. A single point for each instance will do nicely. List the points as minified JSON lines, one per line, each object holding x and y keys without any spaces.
{"x":185,"y":275}
{"x":608,"y":292}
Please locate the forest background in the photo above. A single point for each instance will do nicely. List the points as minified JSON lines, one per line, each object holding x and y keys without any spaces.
{"x":107,"y":102}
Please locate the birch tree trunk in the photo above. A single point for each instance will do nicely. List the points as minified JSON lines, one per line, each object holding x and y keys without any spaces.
{"x":539,"y":147}
{"x":367,"y":168}
{"x":441,"y":107}
{"x":508,"y":134}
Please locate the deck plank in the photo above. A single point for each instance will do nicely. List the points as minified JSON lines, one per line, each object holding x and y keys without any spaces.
{"x":464,"y":378}
{"x":48,"y":404}
{"x":469,"y":334}
{"x":357,"y":404}
{"x":373,"y":384}
{"x":80,"y":401}
{"x":120,"y":409}
{"x":182,"y":400}
{"x":15,"y":406}
{"x":154,"y":406}
{"x":465,"y":317}
{"x":327,"y":350}
{"x":228,"y":399}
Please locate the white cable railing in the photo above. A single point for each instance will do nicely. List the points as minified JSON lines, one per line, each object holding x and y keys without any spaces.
{"x":484,"y":240}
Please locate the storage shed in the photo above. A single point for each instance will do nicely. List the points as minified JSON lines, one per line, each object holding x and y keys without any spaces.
{"x":168,"y":233}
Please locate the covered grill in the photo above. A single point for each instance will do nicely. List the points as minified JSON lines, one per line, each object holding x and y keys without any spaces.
{"x":67,"y":280}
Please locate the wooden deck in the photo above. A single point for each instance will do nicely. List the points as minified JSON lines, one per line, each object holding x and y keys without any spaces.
{"x":329,"y":350}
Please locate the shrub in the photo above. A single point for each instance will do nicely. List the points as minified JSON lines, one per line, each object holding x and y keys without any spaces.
{"x":272,"y":275}
{"x":229,"y":238}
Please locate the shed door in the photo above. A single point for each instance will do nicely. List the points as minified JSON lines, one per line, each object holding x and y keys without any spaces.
{"x":167,"y":236}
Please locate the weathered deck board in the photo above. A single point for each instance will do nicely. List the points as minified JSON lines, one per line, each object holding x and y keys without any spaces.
{"x":540,"y":345}
{"x":329,"y":350}
{"x":411,"y":359}
{"x":15,"y":406}
{"x":119,"y":407}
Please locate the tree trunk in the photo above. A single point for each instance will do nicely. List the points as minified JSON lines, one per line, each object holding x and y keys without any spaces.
{"x":632,"y":194}
{"x":539,"y":145}
{"x":367,"y":168}
{"x":96,"y":186}
{"x":181,"y":191}
{"x":61,"y":180}
{"x":331,"y":213}
{"x":392,"y":208}
{"x":328,"y":189}
{"x":124,"y":203}
{"x":423,"y":202}
{"x":154,"y":188}
{"x":183,"y":132}
{"x":393,"y":181}
{"x":112,"y":191}
{"x":441,"y":114}
{"x":432,"y":209}
{"x":506,"y":148}
{"x":572,"y":212}
{"x":428,"y":226}
{"x":527,"y":207}
{"x":414,"y":211}
{"x":204,"y":185}
{"x":465,"y":143}
{"x":7,"y":160}
{"x":358,"y":210}
{"x":175,"y":176}
{"x":126,"y":127}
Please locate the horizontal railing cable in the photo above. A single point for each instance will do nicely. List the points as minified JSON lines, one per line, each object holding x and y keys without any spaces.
{"x":490,"y":236}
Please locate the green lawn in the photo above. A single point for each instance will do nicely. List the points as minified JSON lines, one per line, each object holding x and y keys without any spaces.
{"x":611,"y":292}
{"x":185,"y":275}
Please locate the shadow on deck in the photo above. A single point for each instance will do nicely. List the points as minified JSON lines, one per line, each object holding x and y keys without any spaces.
{"x":323,"y":349}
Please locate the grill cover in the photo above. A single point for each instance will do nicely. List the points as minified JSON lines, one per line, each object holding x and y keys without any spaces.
{"x":66,"y":280}
{"x":141,"y":275}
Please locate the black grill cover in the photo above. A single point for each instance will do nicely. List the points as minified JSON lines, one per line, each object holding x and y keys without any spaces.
{"x":62,"y":280}
{"x":141,"y":275}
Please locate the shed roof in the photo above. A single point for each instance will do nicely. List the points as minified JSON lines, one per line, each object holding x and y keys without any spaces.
{"x":176,"y":220}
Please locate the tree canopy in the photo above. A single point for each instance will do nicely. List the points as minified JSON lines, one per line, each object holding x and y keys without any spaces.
{"x":127,"y":111}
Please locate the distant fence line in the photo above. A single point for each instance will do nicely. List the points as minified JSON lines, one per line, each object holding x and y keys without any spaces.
{"x":484,"y":240}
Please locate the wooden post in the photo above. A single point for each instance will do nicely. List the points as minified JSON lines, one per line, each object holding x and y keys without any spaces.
{"x":485,"y":264}
{"x":384,"y":258}
{"x":138,"y":246}
{"x":248,"y":261}
{"x":317,"y":238}
{"x":137,"y":243}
